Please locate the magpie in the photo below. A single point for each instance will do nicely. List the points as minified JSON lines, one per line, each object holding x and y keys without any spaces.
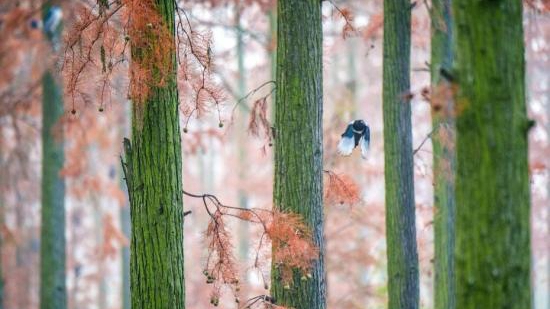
{"x":52,"y":19}
{"x":356,"y":132}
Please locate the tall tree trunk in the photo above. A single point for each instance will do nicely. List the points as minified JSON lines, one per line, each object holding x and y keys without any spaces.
{"x":241,"y":134}
{"x":154,"y":177}
{"x":272,"y":16}
{"x":2,"y":223}
{"x":398,"y":158}
{"x":351,"y":84}
{"x":125,"y":225}
{"x":492,"y":185}
{"x":53,"y":290}
{"x":125,"y":219}
{"x":443,"y":154}
{"x":298,"y":186}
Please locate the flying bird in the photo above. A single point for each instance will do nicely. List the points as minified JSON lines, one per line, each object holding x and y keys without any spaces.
{"x":52,"y":19}
{"x":356,"y":133}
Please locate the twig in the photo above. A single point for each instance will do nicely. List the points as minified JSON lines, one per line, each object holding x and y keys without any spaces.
{"x":426,"y":138}
{"x":345,"y":16}
{"x":253,"y":91}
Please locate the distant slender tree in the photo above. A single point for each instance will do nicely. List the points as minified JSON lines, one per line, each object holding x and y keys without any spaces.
{"x":2,"y":211}
{"x":126,"y":229}
{"x":241,"y":132}
{"x":492,"y":252}
{"x":53,"y":291}
{"x":125,"y":226}
{"x":443,"y":154}
{"x":298,"y":186}
{"x":398,"y":158}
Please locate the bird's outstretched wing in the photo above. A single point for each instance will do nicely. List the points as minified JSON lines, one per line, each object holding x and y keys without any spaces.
{"x":347,"y":142}
{"x":365,"y":142}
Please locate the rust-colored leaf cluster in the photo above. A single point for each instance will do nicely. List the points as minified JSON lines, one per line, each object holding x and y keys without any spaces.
{"x":290,"y":239}
{"x":113,"y":238}
{"x":293,"y":249}
{"x":259,"y":125}
{"x":341,"y":189}
{"x":131,"y":37}
{"x":348,"y":29}
{"x":541,"y":6}
{"x":220,"y":265}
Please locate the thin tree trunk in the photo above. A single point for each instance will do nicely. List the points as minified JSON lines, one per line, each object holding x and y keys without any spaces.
{"x":98,"y":222}
{"x":126,"y":229}
{"x":272,"y":16}
{"x":351,"y":85}
{"x":2,"y":223}
{"x":125,"y":220}
{"x":241,"y":135}
{"x":443,"y":155}
{"x":154,"y":177}
{"x":402,"y":253}
{"x":298,"y":186}
{"x":53,"y":290}
{"x":492,"y":252}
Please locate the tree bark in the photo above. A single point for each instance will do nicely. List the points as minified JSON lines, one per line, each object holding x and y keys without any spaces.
{"x":298,"y":183}
{"x":492,"y":252}
{"x":154,"y":176}
{"x":53,"y":290}
{"x":444,"y":158}
{"x":402,"y":253}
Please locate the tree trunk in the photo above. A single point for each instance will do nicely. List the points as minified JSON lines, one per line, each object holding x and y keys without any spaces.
{"x":398,"y":159}
{"x":2,"y":223}
{"x":492,"y":252}
{"x":125,"y":225}
{"x":53,"y":291}
{"x":298,"y":182}
{"x":154,"y":176}
{"x":443,"y":155}
{"x":241,"y":135}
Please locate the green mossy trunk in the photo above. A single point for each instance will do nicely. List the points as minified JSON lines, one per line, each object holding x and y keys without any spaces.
{"x":402,"y":254}
{"x":492,"y":252}
{"x":298,"y":186}
{"x":154,"y":177}
{"x":443,"y":155}
{"x":53,"y":290}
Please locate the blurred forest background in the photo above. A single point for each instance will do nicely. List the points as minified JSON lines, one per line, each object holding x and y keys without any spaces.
{"x":223,"y":158}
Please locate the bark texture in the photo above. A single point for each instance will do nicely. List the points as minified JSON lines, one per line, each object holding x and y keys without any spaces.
{"x":402,"y":253}
{"x":53,"y":294}
{"x":492,"y":187}
{"x":153,"y":171}
{"x":443,"y":155}
{"x":298,"y":175}
{"x":53,"y":290}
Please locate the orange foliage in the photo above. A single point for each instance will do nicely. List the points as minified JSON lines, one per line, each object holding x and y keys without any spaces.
{"x":220,"y":265}
{"x":112,"y":238}
{"x":259,"y":124}
{"x":373,"y":28}
{"x":291,"y":242}
{"x":131,"y":37}
{"x":341,"y":189}
{"x":293,"y":249}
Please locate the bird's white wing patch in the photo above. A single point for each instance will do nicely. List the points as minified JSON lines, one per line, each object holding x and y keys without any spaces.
{"x":364,"y":147}
{"x":346,"y":145}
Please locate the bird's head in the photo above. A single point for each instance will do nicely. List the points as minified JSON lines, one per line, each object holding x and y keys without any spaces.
{"x":359,"y":125}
